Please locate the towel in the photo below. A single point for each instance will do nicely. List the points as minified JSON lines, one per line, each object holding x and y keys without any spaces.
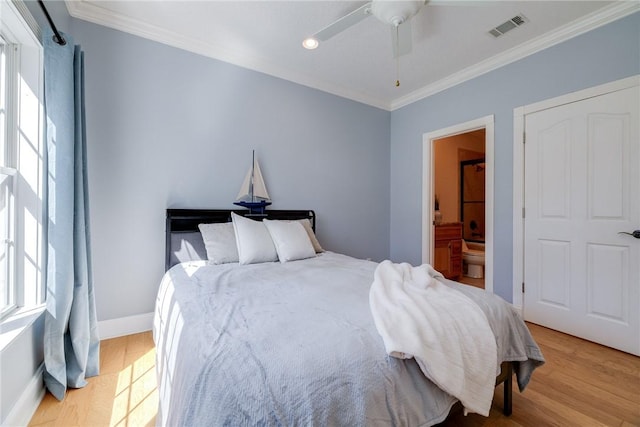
{"x":446,"y":332}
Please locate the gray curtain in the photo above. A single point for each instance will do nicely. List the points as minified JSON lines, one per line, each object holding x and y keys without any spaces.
{"x":71,"y":343}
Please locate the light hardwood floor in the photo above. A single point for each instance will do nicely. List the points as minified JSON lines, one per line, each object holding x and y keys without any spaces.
{"x":124,"y":394}
{"x":582,"y":384}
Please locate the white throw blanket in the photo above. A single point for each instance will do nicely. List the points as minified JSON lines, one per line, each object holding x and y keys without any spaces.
{"x":446,"y":332}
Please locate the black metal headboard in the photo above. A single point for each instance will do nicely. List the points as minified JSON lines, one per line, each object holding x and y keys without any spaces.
{"x":183,"y":235}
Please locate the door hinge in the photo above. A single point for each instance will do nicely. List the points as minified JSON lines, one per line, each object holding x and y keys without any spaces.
{"x":523,"y":213}
{"x":523,"y":287}
{"x":524,"y":137}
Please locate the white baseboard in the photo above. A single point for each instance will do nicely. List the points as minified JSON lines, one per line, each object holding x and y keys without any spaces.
{"x":121,"y":326}
{"x":28,"y":402}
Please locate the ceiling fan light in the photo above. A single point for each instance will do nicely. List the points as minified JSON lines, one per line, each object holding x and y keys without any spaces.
{"x":395,"y":12}
{"x":310,"y":43}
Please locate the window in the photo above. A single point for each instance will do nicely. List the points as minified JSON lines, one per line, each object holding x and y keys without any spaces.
{"x":21,"y":161}
{"x":7,"y":190}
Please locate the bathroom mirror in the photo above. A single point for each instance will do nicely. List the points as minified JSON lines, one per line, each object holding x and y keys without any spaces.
{"x":472,"y":199}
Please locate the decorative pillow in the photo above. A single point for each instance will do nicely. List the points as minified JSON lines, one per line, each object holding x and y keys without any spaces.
{"x":219,"y":242}
{"x":290,"y":239}
{"x":314,"y":241}
{"x":253,"y":241}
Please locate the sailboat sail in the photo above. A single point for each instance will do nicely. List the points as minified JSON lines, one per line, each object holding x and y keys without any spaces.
{"x":253,"y":188}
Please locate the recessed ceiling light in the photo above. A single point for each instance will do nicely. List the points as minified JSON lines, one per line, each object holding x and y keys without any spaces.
{"x":310,"y":43}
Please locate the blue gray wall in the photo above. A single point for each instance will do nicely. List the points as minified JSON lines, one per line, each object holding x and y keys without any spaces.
{"x":168,"y":128}
{"x":20,"y":361}
{"x":606,"y":54}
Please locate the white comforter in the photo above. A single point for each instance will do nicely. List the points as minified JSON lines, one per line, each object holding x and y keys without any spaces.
{"x":446,"y":332}
{"x":295,"y":344}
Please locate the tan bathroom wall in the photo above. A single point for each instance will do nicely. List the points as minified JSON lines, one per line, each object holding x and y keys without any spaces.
{"x":448,"y":152}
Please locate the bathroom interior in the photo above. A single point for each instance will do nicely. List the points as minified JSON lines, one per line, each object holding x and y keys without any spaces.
{"x":459,"y":208}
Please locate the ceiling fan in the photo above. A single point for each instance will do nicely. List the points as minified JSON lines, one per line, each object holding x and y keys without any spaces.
{"x":397,"y":14}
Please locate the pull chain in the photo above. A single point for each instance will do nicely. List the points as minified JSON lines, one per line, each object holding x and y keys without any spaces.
{"x":397,"y":58}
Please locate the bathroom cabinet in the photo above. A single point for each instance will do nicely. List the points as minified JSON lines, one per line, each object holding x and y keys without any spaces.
{"x":447,"y":254}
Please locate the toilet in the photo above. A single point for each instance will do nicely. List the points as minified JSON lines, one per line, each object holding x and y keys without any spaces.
{"x":473,"y":260}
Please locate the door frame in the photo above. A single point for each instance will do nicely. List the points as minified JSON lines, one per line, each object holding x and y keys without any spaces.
{"x":519,"y":115}
{"x":428,"y":184}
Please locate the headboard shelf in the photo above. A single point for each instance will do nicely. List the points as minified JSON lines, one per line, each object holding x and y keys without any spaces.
{"x":184,"y":222}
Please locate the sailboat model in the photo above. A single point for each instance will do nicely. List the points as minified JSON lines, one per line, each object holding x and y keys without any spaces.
{"x":253,"y":193}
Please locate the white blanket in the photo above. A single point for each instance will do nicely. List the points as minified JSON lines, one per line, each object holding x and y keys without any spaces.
{"x":445,"y":331}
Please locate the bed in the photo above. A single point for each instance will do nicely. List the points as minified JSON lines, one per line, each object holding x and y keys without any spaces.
{"x":294,"y":343}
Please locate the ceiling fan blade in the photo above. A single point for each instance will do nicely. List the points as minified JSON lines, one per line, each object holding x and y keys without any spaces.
{"x":401,"y":40}
{"x":460,"y":3}
{"x":343,"y":23}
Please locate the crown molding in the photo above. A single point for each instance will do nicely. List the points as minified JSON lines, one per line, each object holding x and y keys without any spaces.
{"x":90,"y":11}
{"x":587,"y":23}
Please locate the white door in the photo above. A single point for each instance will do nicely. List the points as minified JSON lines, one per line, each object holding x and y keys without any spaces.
{"x":582,"y":187}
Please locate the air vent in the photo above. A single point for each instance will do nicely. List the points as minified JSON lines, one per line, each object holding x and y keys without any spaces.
{"x":509,"y":25}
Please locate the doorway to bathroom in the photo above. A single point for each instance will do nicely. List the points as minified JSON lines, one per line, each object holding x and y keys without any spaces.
{"x":459,"y":172}
{"x":458,"y":202}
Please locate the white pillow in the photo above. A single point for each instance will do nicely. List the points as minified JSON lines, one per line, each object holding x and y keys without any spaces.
{"x":219,"y":242}
{"x":291,"y":240}
{"x":253,"y":241}
{"x":314,"y":241}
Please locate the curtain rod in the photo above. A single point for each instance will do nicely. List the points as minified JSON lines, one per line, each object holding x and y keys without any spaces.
{"x":57,"y":37}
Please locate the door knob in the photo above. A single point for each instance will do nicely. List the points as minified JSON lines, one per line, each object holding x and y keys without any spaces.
{"x":636,"y":233}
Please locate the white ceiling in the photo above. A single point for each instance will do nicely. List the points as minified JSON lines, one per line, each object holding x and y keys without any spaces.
{"x":450,"y":38}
